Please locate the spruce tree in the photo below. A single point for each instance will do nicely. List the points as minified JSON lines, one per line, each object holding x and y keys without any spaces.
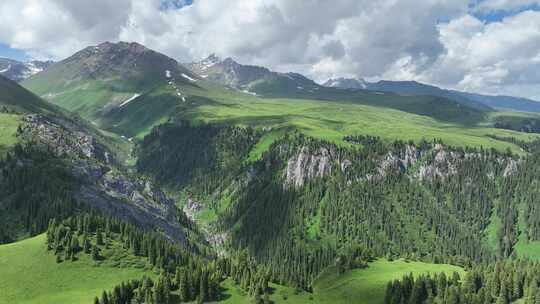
{"x":95,"y":253}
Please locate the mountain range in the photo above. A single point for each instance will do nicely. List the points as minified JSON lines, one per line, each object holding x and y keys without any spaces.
{"x":346,"y":83}
{"x":251,"y":79}
{"x":18,"y":71}
{"x":127,"y":88}
{"x":260,"y":80}
{"x":416,"y":88}
{"x":264,"y":82}
{"x":128,"y":177}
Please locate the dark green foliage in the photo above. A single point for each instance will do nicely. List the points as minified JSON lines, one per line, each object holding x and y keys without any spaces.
{"x":528,"y":146}
{"x":296,"y":232}
{"x":88,"y":227}
{"x":36,"y":186}
{"x":501,"y":282}
{"x":517,"y":123}
{"x":204,"y":282}
{"x":205,"y":157}
{"x":195,"y":276}
{"x":435,"y":220}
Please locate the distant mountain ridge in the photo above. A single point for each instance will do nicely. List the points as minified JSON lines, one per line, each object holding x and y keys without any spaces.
{"x":262,"y":81}
{"x":14,"y":98}
{"x":130,"y":62}
{"x":127,"y":88}
{"x":417,"y":88}
{"x":249,"y":78}
{"x":105,"y":77}
{"x":19,"y":71}
{"x":346,"y":83}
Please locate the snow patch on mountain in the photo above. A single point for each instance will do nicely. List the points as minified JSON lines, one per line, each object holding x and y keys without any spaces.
{"x":189,"y":78}
{"x":346,"y":83}
{"x":129,"y":100}
{"x":6,"y":69}
{"x":250,"y":93}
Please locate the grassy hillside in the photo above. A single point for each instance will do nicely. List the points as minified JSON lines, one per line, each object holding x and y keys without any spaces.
{"x":369,"y":285}
{"x":394,"y":118}
{"x":30,"y":274}
{"x":361,"y":286}
{"x":8,"y":131}
{"x":118,"y":87}
{"x":335,"y":119}
{"x":517,"y":121}
{"x":15,"y":98}
{"x":232,"y":294}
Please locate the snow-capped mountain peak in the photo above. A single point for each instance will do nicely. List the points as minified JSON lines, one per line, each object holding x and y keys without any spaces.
{"x":346,"y":83}
{"x":18,"y":71}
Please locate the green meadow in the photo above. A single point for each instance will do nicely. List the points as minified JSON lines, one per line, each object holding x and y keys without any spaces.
{"x":30,"y":274}
{"x":369,"y":285}
{"x":8,"y":131}
{"x":327,"y":114}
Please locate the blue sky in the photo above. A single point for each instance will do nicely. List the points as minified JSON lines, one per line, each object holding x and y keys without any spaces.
{"x":6,"y":51}
{"x":498,"y":15}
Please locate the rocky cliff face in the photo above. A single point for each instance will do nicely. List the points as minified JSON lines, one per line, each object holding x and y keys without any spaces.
{"x":61,"y":140}
{"x":130,"y":199}
{"x":103,"y":186}
{"x":306,"y":165}
{"x":437,"y":162}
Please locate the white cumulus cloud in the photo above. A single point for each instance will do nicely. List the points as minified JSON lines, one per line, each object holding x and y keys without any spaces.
{"x":435,"y":41}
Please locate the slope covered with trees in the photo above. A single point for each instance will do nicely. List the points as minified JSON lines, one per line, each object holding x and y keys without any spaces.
{"x":307,"y":202}
{"x":501,"y":282}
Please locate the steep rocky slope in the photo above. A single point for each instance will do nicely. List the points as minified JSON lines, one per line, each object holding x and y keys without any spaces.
{"x":101,"y":183}
{"x":251,"y":79}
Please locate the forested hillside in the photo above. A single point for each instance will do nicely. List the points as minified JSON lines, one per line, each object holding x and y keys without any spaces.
{"x":502,"y":282}
{"x":306,"y":201}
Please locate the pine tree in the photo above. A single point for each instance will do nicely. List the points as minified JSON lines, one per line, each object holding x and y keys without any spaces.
{"x":87,"y":245}
{"x":95,"y":253}
{"x":99,"y":237}
{"x":203,"y":287}
{"x":105,"y":298}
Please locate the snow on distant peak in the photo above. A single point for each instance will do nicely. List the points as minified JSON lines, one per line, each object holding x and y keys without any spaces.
{"x":209,"y":62}
{"x":188,"y":78}
{"x":346,"y":83}
{"x":6,"y":69}
{"x":129,"y":100}
{"x":249,"y":92}
{"x":167,"y":73}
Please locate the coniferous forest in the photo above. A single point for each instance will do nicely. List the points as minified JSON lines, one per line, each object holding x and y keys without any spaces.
{"x":286,"y":224}
{"x":437,"y":208}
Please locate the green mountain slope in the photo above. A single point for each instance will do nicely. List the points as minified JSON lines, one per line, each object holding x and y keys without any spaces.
{"x":128,"y":89}
{"x":30,"y":274}
{"x":368,"y":286}
{"x":80,"y":281}
{"x":100,"y":78}
{"x":15,"y":98}
{"x":262,"y":82}
{"x":8,"y":131}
